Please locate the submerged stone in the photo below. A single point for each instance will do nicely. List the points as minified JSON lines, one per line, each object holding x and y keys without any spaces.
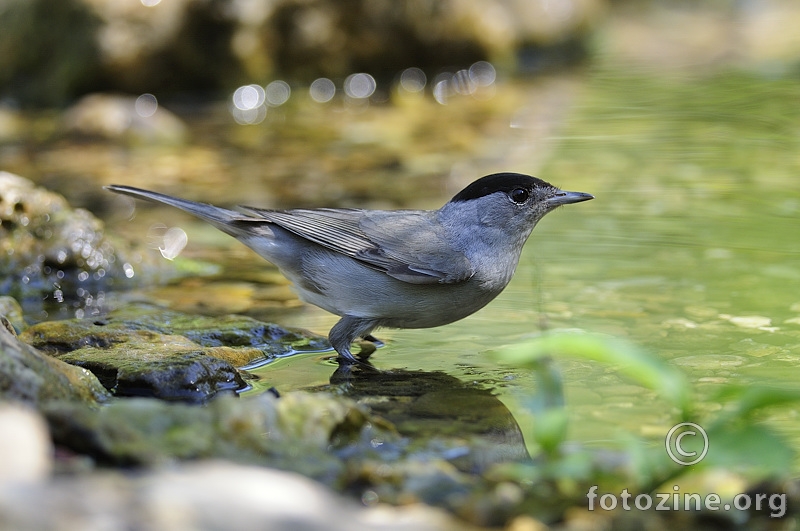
{"x":468,"y":424}
{"x":141,"y":350}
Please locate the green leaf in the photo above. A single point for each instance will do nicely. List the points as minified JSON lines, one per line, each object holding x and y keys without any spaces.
{"x":751,"y":447}
{"x":550,"y":429}
{"x":741,"y":402}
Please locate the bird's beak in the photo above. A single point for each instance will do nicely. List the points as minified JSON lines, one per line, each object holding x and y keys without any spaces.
{"x":564,"y":198}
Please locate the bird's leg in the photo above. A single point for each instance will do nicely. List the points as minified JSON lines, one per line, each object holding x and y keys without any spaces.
{"x":345,"y":332}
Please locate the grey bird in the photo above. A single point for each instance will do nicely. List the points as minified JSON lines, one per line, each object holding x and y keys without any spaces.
{"x":393,"y":268}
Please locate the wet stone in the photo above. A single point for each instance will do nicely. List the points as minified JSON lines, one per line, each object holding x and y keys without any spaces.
{"x":31,"y":377}
{"x":50,"y":251}
{"x":467,"y":424}
{"x":141,"y":350}
{"x":293,"y":432}
{"x":10,"y":309}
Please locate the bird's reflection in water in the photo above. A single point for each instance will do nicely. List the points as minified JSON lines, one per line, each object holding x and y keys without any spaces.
{"x":474,"y":426}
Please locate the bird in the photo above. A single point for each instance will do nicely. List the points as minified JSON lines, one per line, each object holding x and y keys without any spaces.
{"x":393,"y":268}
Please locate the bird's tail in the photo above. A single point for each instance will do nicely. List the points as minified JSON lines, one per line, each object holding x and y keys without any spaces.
{"x":223,"y":219}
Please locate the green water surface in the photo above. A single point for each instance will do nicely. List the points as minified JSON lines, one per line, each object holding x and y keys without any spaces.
{"x":691,"y":249}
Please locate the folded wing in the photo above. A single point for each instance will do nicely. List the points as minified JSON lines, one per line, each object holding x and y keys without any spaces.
{"x":405,"y":244}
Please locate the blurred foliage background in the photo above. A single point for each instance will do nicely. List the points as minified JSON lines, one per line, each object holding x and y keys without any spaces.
{"x":53,"y":51}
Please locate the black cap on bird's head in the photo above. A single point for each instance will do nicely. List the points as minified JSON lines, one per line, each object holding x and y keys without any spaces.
{"x":519,"y":188}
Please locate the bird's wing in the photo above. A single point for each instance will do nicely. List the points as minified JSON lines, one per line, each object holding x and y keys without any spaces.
{"x":413,"y":247}
{"x":405,"y":244}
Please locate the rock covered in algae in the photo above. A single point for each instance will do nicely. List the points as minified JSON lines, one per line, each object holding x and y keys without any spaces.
{"x":11,"y":310}
{"x":49,"y":249}
{"x":293,"y":432}
{"x":141,"y":350}
{"x":34,"y":378}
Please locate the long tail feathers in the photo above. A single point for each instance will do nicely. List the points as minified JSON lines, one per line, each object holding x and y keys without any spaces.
{"x":219,"y":217}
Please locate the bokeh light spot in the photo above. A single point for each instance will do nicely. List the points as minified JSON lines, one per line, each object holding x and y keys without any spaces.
{"x":462,"y":83}
{"x":277,"y":92}
{"x":249,"y":116}
{"x":322,"y":90}
{"x":413,"y":79}
{"x":360,"y":85}
{"x":441,"y":87}
{"x":175,"y":239}
{"x":146,"y":105}
{"x":483,"y":73}
{"x":248,"y":105}
{"x":248,"y":97}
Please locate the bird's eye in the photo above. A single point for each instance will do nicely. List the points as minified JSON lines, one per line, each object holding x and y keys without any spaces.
{"x":519,"y":195}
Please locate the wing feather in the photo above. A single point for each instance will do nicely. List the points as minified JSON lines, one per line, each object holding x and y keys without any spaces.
{"x":405,"y":244}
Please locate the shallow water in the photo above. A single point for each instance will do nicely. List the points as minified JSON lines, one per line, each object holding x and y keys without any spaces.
{"x":691,"y":250}
{"x":693,"y":247}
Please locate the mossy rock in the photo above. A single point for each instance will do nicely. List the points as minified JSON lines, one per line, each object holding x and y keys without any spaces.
{"x":141,"y":350}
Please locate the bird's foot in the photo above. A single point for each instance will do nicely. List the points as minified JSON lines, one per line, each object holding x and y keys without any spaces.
{"x":361,"y":357}
{"x":366,"y":348}
{"x":374,"y":340}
